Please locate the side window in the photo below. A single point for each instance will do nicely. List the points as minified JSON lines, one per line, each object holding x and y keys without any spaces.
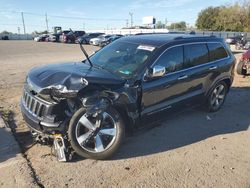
{"x":216,"y":51}
{"x":195,"y":54}
{"x":172,"y":59}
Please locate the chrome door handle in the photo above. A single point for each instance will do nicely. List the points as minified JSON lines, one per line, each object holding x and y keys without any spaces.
{"x":182,"y":77}
{"x":213,"y":68}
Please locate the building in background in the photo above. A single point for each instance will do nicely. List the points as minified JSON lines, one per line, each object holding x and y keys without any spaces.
{"x":149,"y":21}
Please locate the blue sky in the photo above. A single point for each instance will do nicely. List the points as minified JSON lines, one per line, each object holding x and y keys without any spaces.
{"x":97,"y":14}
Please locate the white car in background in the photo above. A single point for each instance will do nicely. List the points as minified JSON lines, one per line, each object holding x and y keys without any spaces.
{"x":41,"y":38}
{"x":99,"y":39}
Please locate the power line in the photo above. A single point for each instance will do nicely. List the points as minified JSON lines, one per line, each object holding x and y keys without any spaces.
{"x":70,"y":17}
{"x":131,"y":18}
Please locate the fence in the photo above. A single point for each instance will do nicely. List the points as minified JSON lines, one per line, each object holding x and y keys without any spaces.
{"x":130,"y":31}
{"x":18,"y":36}
{"x":222,"y":34}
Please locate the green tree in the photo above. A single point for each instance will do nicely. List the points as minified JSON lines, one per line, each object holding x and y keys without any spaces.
{"x":207,"y":18}
{"x":178,"y":26}
{"x":159,"y":25}
{"x":225,"y":18}
{"x":5,"y":32}
{"x":39,"y":32}
{"x":231,"y":18}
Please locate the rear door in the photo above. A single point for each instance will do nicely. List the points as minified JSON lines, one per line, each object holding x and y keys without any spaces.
{"x":219,"y":63}
{"x":197,"y":65}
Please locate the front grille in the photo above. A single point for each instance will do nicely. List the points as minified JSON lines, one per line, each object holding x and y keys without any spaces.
{"x":33,"y":105}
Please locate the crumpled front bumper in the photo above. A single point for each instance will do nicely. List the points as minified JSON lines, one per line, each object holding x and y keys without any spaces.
{"x":41,"y":120}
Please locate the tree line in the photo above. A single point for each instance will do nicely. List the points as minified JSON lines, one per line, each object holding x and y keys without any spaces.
{"x":182,"y":25}
{"x":225,"y":18}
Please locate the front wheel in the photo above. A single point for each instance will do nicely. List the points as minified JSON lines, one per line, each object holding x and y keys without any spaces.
{"x":96,"y":137}
{"x":217,"y":96}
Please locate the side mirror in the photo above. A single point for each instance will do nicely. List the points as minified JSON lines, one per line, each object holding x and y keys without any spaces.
{"x":156,"y":71}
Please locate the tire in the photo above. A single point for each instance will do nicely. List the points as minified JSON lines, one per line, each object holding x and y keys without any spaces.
{"x":103,"y":144}
{"x":216,"y":97}
{"x":239,"y":68}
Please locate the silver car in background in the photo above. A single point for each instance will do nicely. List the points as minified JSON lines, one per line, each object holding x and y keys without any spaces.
{"x":99,"y":39}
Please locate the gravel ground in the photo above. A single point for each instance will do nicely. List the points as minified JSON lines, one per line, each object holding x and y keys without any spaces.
{"x":190,"y":149}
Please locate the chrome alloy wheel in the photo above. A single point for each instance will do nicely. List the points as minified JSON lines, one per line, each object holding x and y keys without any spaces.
{"x":96,"y":134}
{"x":218,"y":96}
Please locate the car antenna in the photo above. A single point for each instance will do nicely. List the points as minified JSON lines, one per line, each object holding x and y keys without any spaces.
{"x":83,"y":50}
{"x":85,"y":53}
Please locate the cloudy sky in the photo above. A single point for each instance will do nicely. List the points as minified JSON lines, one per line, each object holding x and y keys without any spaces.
{"x":89,"y":14}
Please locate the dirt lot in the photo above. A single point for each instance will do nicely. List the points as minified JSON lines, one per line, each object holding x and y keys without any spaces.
{"x":190,"y":149}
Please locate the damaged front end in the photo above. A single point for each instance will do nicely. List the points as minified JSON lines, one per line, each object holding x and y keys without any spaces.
{"x":47,"y":112}
{"x":54,"y":93}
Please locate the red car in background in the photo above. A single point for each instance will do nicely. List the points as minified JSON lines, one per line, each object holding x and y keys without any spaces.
{"x":71,"y":36}
{"x":243,"y":67}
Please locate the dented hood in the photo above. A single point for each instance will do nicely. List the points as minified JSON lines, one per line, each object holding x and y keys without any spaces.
{"x":71,"y":76}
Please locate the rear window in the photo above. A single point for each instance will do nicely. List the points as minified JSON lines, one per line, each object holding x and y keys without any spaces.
{"x":195,"y":54}
{"x":216,"y":51}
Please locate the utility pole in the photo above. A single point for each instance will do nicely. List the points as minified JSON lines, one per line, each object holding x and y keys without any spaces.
{"x":24,"y":31}
{"x":126,"y":23}
{"x":47,"y":25}
{"x":131,"y":18}
{"x":166,"y":23}
{"x":18,"y":29}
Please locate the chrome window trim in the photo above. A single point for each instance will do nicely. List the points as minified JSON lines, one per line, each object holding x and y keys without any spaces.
{"x":190,"y":68}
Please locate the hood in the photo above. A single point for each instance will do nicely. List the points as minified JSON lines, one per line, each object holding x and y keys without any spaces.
{"x":72,"y":76}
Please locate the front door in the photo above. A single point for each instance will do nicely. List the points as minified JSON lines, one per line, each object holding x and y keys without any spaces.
{"x":160,"y":93}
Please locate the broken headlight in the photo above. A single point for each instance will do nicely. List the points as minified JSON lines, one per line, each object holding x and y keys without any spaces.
{"x":61,"y":91}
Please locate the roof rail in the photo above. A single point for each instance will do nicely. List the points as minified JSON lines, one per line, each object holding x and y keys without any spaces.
{"x":178,"y":38}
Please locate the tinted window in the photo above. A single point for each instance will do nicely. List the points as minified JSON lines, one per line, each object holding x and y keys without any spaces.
{"x":216,"y":51}
{"x":195,"y":54}
{"x":172,"y":59}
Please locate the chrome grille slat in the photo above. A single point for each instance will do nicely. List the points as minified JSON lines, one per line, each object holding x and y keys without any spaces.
{"x":27,"y":101}
{"x":33,"y":105}
{"x":30,"y":102}
{"x":39,"y":110}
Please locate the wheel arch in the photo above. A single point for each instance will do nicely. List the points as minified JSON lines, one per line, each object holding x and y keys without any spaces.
{"x":128,"y":121}
{"x":227,"y":80}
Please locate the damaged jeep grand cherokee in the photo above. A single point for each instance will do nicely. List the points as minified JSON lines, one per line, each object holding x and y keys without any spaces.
{"x":87,"y":106}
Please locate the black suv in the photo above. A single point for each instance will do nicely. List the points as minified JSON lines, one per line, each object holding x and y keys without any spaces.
{"x":87,"y":106}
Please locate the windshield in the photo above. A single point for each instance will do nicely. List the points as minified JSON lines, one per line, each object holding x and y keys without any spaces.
{"x":122,"y":58}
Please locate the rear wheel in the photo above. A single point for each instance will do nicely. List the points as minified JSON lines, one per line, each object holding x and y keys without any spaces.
{"x":217,"y":97}
{"x":96,"y":137}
